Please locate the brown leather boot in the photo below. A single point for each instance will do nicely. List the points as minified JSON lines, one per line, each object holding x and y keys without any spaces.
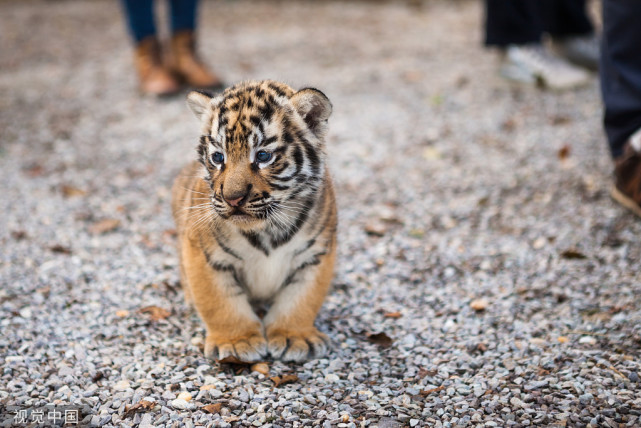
{"x":154,"y":78}
{"x":186,"y":64}
{"x":627,"y":171}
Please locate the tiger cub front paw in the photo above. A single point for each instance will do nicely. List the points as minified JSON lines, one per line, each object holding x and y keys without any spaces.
{"x":248,"y":347}
{"x":291,"y":344}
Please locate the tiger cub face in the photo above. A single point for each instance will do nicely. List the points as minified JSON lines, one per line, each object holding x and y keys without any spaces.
{"x":262,"y":148}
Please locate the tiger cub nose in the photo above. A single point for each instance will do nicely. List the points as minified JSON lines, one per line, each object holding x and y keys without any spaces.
{"x":236,"y":200}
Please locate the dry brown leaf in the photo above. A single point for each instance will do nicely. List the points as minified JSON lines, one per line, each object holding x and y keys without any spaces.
{"x":573,"y":254}
{"x":393,"y":315}
{"x":417,"y":233}
{"x":538,"y":341}
{"x":230,"y":419}
{"x":432,"y":153}
{"x":380,"y":339}
{"x":508,"y":125}
{"x":560,"y":120}
{"x":375,"y":229}
{"x":479,"y":304}
{"x":60,"y":249}
{"x":71,"y":191}
{"x":285,"y":379}
{"x":412,"y":76}
{"x":156,"y":313}
{"x":422,"y":372}
{"x":390,"y":219}
{"x":262,"y":368}
{"x":213,"y":408}
{"x":564,"y":152}
{"x":426,"y":392}
{"x":34,"y":170}
{"x":185,"y":396}
{"x":104,"y":226}
{"x":140,"y":406}
{"x":19,"y":235}
{"x":44,"y":290}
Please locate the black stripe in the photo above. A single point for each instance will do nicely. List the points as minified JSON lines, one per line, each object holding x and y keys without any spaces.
{"x":281,"y":168}
{"x":221,"y":267}
{"x":226,"y":248}
{"x":320,"y":209}
{"x":240,"y":281}
{"x":255,"y":120}
{"x":313,"y":261}
{"x":306,"y":247}
{"x":267,"y":111}
{"x":254,"y":239}
{"x":269,"y":140}
{"x":285,"y":179}
{"x":277,"y":241}
{"x":278,"y":90}
{"x":278,"y":187}
{"x":312,"y":156}
{"x":287,"y":137}
{"x":298,"y":159}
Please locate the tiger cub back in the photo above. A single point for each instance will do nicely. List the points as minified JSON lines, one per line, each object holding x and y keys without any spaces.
{"x":256,"y":220}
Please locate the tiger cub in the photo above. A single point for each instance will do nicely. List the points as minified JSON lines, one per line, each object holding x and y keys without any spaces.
{"x":256,"y":220}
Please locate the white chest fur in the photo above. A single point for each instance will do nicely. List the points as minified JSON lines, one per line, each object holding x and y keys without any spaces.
{"x":263,"y":273}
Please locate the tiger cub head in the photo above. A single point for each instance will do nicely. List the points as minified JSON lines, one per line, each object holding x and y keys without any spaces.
{"x":262,"y":146}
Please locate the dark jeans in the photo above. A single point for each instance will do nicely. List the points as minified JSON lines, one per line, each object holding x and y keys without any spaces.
{"x":620,"y":70}
{"x":518,"y":22}
{"x":140,"y":16}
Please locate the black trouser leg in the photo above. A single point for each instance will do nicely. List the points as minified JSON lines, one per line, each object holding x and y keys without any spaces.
{"x":566,"y":18}
{"x":183,"y":15}
{"x":140,"y":17}
{"x":512,"y":22}
{"x":519,"y":22}
{"x":620,"y":71}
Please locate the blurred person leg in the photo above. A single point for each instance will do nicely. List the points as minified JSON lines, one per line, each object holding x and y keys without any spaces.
{"x":184,"y":60}
{"x":620,"y":71}
{"x":516,"y":27}
{"x":153,"y":76}
{"x":572,"y":32}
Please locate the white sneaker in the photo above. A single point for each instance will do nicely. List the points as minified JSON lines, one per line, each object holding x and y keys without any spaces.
{"x":580,"y":50}
{"x":533,"y":64}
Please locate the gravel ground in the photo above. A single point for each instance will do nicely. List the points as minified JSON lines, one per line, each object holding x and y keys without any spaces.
{"x":484,"y":275}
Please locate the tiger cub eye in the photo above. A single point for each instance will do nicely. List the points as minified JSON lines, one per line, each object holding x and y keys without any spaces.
{"x":217,"y":157}
{"x":263,"y":156}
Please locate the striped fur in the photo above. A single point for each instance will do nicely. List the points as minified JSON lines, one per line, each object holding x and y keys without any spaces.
{"x":252,"y":229}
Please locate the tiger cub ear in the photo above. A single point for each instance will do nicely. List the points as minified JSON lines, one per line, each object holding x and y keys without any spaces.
{"x":315,"y":108}
{"x":198,"y":102}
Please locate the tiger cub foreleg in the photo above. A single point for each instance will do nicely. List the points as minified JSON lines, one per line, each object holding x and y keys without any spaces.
{"x":289,"y":324}
{"x":233,"y":329}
